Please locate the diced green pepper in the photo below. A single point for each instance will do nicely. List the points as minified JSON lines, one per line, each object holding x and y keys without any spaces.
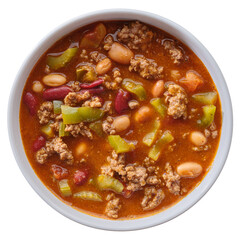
{"x":159,"y":106}
{"x":205,"y":98}
{"x":97,"y":128}
{"x":86,"y":74}
{"x":62,"y":132}
{"x":47,"y":130}
{"x":105,"y":182}
{"x":135,"y":88}
{"x":119,"y":144}
{"x":73,"y":115}
{"x":57,"y":106}
{"x":61,"y":61}
{"x":208,"y":116}
{"x":150,"y":137}
{"x":157,"y":148}
{"x":65,"y":188}
{"x":88,"y":195}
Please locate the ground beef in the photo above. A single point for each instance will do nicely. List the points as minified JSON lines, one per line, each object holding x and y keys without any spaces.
{"x":113,"y":84}
{"x":107,"y":107}
{"x":75,"y":86}
{"x":136,"y":176}
{"x":113,"y":206}
{"x":152,"y":198}
{"x":176,"y":98}
{"x":117,"y":163}
{"x":135,"y":36}
{"x":74,"y":98}
{"x":171,"y":180}
{"x":153,"y":180}
{"x":55,"y":125}
{"x":84,"y":54}
{"x":96,"y":56}
{"x":108,"y":42}
{"x":55,"y":146}
{"x":147,"y":68}
{"x":107,"y":170}
{"x":94,"y":102}
{"x":175,"y":53}
{"x":108,"y":127}
{"x":78,"y":129}
{"x":45,"y":112}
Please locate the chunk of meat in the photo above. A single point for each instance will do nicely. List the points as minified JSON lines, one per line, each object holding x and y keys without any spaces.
{"x":153,"y":180}
{"x":117,"y":163}
{"x":94,"y":102}
{"x":172,"y":180}
{"x":75,"y":86}
{"x":108,"y":126}
{"x":192,"y":81}
{"x":107,"y":170}
{"x":147,"y":68}
{"x":78,"y":129}
{"x":113,"y":206}
{"x":152,"y":198}
{"x":175,"y":52}
{"x":55,"y":146}
{"x":117,"y":79}
{"x":136,"y":175}
{"x":177,"y":101}
{"x":135,"y":36}
{"x":108,"y":42}
{"x":74,"y":98}
{"x":45,"y":112}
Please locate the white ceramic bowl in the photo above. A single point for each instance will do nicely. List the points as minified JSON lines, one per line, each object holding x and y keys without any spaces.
{"x":168,"y":26}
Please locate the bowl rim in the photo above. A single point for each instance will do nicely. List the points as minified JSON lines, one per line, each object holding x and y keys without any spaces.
{"x":138,"y":223}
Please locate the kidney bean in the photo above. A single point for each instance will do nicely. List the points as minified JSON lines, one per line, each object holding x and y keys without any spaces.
{"x":57,"y":93}
{"x":31,"y":101}
{"x":97,"y":90}
{"x":92,"y":85}
{"x":59,"y":172}
{"x":39,"y":143}
{"x":121,"y":101}
{"x":80,"y":176}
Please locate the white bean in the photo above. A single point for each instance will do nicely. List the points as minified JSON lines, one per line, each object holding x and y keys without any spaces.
{"x":54,"y":80}
{"x":81,"y":148}
{"x":198,"y":138}
{"x":37,"y":87}
{"x":121,"y":123}
{"x":143,"y":114}
{"x":189,"y":169}
{"x":120,"y":54}
{"x":103,"y":66}
{"x":158,"y":88}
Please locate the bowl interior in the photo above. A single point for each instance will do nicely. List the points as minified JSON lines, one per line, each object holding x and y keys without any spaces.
{"x":182,"y":35}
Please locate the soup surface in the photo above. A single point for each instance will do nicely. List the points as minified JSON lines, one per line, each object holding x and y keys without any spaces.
{"x":120,"y":119}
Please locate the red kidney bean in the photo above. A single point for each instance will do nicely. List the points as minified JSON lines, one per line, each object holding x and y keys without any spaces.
{"x":56,"y":93}
{"x":97,"y":90}
{"x":39,"y":143}
{"x":31,"y":101}
{"x":80,"y":176}
{"x":121,"y":101}
{"x":92,"y":85}
{"x":59,"y":172}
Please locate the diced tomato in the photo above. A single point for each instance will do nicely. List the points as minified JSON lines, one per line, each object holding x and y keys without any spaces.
{"x":192,"y":81}
{"x":80,"y":176}
{"x":59,"y":172}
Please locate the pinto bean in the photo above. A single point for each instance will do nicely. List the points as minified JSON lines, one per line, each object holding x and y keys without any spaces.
{"x":37,"y":87}
{"x":31,"y":101}
{"x":158,"y":89}
{"x":81,"y":148}
{"x":121,"y":123}
{"x":143,"y":114}
{"x":120,"y":54}
{"x":189,"y":169}
{"x":103,"y":66}
{"x":198,"y":138}
{"x":57,"y":93}
{"x":54,"y":80}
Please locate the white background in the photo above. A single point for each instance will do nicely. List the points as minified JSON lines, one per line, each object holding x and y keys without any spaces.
{"x":23,"y":214}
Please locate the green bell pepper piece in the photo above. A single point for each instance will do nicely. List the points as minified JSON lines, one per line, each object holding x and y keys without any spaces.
{"x":88,"y":195}
{"x":207,"y":98}
{"x":62,"y":60}
{"x":62,"y":132}
{"x":97,"y":128}
{"x":119,"y":144}
{"x":135,"y":88}
{"x":208,"y":116}
{"x":73,"y":115}
{"x":86,"y":74}
{"x":157,"y":148}
{"x":159,"y":106}
{"x":57,"y":106}
{"x":105,"y":182}
{"x":150,"y":137}
{"x":47,"y":130}
{"x":64,"y":188}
